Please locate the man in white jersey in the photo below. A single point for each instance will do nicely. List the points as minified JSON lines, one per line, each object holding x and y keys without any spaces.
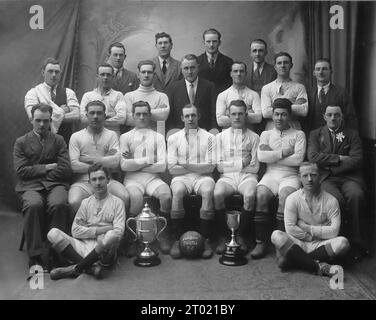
{"x":94,"y":144}
{"x":282,"y":149}
{"x":284,"y":87}
{"x":96,"y":231}
{"x":143,"y":158}
{"x":191,"y":161}
{"x":112,"y":99}
{"x":158,"y":101}
{"x":238,"y":91}
{"x":312,"y":221}
{"x":238,"y":164}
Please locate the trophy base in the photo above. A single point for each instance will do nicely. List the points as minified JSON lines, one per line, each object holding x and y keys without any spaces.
{"x":147,"y":262}
{"x":233,"y":258}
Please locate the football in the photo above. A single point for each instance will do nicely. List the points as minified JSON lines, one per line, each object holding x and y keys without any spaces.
{"x":191,"y":244}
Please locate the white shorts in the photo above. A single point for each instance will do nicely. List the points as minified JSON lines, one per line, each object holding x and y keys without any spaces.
{"x":146,"y":183}
{"x":239,"y":180}
{"x":193,"y":181}
{"x":86,"y":186}
{"x":275,"y":181}
{"x":309,"y":246}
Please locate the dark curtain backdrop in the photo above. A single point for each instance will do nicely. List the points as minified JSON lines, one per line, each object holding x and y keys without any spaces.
{"x":22,"y":53}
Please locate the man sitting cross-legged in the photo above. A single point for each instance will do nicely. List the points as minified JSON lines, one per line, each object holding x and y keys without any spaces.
{"x":312,"y":221}
{"x":97,"y":229}
{"x":191,"y":160}
{"x":238,"y":164}
{"x":143,"y":159}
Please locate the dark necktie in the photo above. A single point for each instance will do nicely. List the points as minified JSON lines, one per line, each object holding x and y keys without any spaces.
{"x":118,"y":74}
{"x":322,"y":95}
{"x":164,"y":67}
{"x":258,"y":73}
{"x":53,"y":95}
{"x":212,"y":63}
{"x":334,"y":140}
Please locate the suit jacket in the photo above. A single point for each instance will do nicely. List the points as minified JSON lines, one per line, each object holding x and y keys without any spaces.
{"x":205,"y":100}
{"x":268,"y":75}
{"x":30,"y":158}
{"x":220,"y":74}
{"x":322,"y":151}
{"x":336,"y":96}
{"x":126,"y":83}
{"x":162,"y":82}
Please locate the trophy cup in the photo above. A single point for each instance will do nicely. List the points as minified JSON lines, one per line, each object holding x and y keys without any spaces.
{"x":146,"y":232}
{"x":233,"y":256}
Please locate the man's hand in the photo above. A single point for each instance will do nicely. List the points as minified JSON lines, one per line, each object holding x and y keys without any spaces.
{"x":103,"y":230}
{"x":246,"y":159}
{"x":111,"y":152}
{"x":110,"y":114}
{"x":89,"y":159}
{"x":287,"y":152}
{"x":300,"y":101}
{"x":51,"y":166}
{"x":162,"y":106}
{"x":343,"y":158}
{"x":127,"y":155}
{"x":265,"y":147}
{"x":65,"y":108}
{"x":304,"y":226}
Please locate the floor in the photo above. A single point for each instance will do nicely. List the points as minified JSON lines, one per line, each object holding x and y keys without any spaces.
{"x":175,"y":279}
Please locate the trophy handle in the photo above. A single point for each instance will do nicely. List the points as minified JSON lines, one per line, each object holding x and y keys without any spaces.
{"x":164,"y":227}
{"x":129,"y":228}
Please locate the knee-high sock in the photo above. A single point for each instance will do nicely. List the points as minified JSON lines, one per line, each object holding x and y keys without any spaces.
{"x":220,"y":222}
{"x":205,"y":228}
{"x":301,"y":259}
{"x":167,"y":231}
{"x":262,"y":226}
{"x":70,"y":254}
{"x":280,"y":223}
{"x":245,"y":223}
{"x":176,"y":228}
{"x":86,"y":262}
{"x":323,"y":253}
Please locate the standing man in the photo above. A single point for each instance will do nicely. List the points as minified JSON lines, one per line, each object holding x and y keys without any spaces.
{"x":312,"y":220}
{"x":238,"y":165}
{"x":64,"y":103}
{"x":143,"y":159}
{"x":193,"y":89}
{"x":284,"y":87}
{"x":124,"y":80}
{"x":112,"y":99}
{"x":261,"y":72}
{"x":337,"y":150}
{"x":214,"y":66}
{"x":326,"y":94}
{"x":191,"y":161}
{"x":238,"y":91}
{"x":282,"y":149}
{"x":41,"y":162}
{"x":96,"y":231}
{"x":94,"y":144}
{"x":158,"y":101}
{"x":167,"y":68}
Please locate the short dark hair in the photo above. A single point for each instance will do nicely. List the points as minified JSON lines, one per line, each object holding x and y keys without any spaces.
{"x":238,"y":103}
{"x":140,"y":104}
{"x":282,"y":54}
{"x":163,"y":35}
{"x":282,"y":103}
{"x":42,"y":107}
{"x":190,"y":57}
{"x":308,"y":164}
{"x":50,"y":61}
{"x":212,"y":31}
{"x":259,"y":41}
{"x":105,"y":65}
{"x":187,"y":106}
{"x":239,"y":62}
{"x":95,"y":103}
{"x":98,"y":167}
{"x":117,"y":45}
{"x":146,"y":62}
{"x":324,"y":60}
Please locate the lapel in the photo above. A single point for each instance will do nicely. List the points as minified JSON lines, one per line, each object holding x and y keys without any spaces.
{"x":170,"y":70}
{"x":326,"y":139}
{"x":198,"y":92}
{"x":48,"y":145}
{"x":158,"y":70}
{"x":33,"y":141}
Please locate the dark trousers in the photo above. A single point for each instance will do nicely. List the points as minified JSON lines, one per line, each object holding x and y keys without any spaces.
{"x":350,"y":196}
{"x":42,"y":211}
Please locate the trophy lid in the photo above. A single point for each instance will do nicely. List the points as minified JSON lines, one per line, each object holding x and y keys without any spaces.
{"x":146,"y":213}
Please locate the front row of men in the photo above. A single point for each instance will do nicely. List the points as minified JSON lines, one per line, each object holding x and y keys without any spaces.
{"x":192,"y":155}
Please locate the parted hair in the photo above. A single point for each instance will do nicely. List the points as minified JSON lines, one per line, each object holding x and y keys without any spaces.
{"x":43,"y":107}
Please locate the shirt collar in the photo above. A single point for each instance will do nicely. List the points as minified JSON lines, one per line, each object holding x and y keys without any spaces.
{"x":161,"y":60}
{"x":326,"y":87}
{"x":48,"y":86}
{"x":187,"y":83}
{"x":99,"y":92}
{"x":214,"y":56}
{"x":261,"y":65}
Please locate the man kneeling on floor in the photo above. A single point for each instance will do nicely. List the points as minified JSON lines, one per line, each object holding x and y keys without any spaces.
{"x":97,"y":229}
{"x":312,"y":221}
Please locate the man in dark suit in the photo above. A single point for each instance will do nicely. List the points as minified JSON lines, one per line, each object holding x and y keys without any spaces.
{"x":215,"y":66}
{"x":261,"y":72}
{"x":326,"y":94}
{"x":337,"y":150}
{"x":195,"y":90}
{"x":167,"y":68}
{"x":41,"y":162}
{"x":124,"y":80}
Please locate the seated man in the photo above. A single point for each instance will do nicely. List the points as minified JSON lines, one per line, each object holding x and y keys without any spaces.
{"x":312,"y":221}
{"x":238,"y":91}
{"x":158,"y":101}
{"x":238,"y":164}
{"x":42,"y":165}
{"x":96,"y":231}
{"x":64,"y":103}
{"x":143,"y":159}
{"x":112,"y":99}
{"x":94,"y":144}
{"x":191,"y":160}
{"x":337,"y":150}
{"x":282,"y":149}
